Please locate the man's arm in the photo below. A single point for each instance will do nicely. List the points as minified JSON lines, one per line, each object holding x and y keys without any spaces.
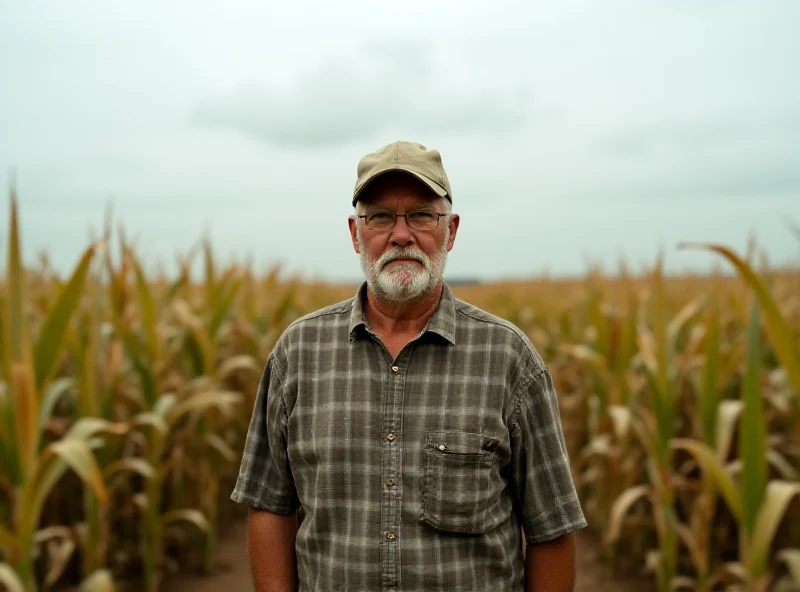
{"x":550,"y":565}
{"x":270,"y":546}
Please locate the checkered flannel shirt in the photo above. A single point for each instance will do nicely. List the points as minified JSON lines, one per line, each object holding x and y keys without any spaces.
{"x":414,"y":473}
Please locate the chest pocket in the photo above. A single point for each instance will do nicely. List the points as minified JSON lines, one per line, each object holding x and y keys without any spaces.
{"x":462,"y":490}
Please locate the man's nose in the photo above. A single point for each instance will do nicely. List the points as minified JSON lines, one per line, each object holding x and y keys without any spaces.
{"x":401,"y":234}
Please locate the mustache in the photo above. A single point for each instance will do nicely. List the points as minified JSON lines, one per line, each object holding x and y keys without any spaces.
{"x":400,"y":253}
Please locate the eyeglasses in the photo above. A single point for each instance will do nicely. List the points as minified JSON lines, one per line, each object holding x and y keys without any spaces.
{"x":419,"y":220}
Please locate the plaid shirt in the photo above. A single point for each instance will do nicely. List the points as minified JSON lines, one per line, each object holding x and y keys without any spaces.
{"x":414,"y":473}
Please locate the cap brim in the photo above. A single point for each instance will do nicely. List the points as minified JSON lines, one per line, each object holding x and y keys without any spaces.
{"x":434,"y":186}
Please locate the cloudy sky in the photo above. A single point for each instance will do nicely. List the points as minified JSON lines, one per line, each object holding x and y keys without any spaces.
{"x":572,"y":131}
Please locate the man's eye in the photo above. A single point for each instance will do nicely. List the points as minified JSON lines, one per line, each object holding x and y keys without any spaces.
{"x":380,"y":216}
{"x":422,"y":216}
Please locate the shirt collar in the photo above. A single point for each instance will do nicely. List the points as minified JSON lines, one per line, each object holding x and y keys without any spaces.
{"x":442,"y":322}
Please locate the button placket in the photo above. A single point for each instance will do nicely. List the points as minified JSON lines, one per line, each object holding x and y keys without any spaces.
{"x":391,"y":499}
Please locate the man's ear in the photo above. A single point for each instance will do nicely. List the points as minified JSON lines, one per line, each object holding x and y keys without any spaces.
{"x":453,"y":221}
{"x":352,"y":223}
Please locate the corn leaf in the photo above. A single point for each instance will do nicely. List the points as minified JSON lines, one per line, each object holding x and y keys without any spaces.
{"x":77,"y":455}
{"x":622,"y":505}
{"x":195,"y":326}
{"x":710,"y":395}
{"x":55,"y":390}
{"x":221,"y":446}
{"x":780,"y":333}
{"x":135,"y":465}
{"x":10,"y":579}
{"x":678,"y":324}
{"x":7,"y":539}
{"x":17,"y":338}
{"x":143,"y":368}
{"x":59,"y":554}
{"x":8,"y":438}
{"x":183,"y":515}
{"x":711,"y":465}
{"x":210,"y":274}
{"x":753,"y":441}
{"x":25,"y":412}
{"x":236,"y":363}
{"x":663,"y":416}
{"x":147,"y":308}
{"x":777,"y":498}
{"x":98,"y":581}
{"x":199,"y":402}
{"x":72,"y":451}
{"x":223,"y":306}
{"x":782,"y":466}
{"x":621,"y":419}
{"x":791,"y":558}
{"x":153,"y":420}
{"x":18,"y":363}
{"x":51,"y":337}
{"x":88,"y":427}
{"x":164,"y":404}
{"x":728,"y":414}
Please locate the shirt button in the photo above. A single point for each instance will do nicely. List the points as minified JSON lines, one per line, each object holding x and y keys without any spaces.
{"x":391,"y":536}
{"x":390,"y":482}
{"x":395,"y":368}
{"x":391,"y":437}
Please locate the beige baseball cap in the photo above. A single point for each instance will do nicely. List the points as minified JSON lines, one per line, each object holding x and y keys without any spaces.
{"x":424,"y":163}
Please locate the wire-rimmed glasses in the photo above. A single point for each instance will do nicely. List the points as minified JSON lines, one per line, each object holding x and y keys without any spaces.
{"x":418,"y":220}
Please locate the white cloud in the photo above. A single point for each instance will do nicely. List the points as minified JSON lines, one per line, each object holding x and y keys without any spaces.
{"x":358,"y":95}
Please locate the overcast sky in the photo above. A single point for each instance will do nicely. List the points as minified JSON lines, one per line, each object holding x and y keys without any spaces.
{"x":572,"y":131}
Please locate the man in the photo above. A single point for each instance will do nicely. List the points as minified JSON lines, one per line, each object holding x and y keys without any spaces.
{"x":419,"y":433}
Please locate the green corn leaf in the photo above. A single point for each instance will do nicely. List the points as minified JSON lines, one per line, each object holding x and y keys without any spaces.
{"x":55,"y":390}
{"x":707,"y":459}
{"x":780,"y":333}
{"x":710,"y":394}
{"x":51,"y":337}
{"x":753,"y":440}
{"x":223,"y":305}
{"x":18,"y":361}
{"x":147,"y":308}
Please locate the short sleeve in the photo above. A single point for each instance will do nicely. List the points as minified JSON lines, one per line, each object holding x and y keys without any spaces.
{"x":265,"y":478}
{"x":545,"y":498}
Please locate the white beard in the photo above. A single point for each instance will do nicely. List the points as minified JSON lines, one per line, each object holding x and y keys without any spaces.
{"x":403,"y":282}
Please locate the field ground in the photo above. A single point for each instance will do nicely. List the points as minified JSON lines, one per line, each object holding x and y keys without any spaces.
{"x":233,"y":573}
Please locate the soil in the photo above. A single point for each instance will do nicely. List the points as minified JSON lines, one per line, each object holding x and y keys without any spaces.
{"x":233,"y":570}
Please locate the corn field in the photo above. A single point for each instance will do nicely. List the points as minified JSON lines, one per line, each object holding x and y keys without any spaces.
{"x":126,"y":396}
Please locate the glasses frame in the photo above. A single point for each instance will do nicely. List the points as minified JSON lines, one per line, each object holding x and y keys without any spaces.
{"x":439,"y":216}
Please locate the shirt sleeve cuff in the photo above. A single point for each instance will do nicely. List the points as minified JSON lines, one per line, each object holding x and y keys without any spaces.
{"x":282,"y":506}
{"x":555,"y":522}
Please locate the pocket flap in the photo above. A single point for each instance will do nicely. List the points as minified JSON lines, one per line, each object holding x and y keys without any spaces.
{"x":459,"y":442}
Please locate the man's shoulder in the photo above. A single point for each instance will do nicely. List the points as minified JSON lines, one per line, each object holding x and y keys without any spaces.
{"x":470,"y":314}
{"x":327,"y":314}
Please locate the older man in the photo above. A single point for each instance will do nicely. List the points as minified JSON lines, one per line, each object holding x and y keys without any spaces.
{"x":418,"y":434}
